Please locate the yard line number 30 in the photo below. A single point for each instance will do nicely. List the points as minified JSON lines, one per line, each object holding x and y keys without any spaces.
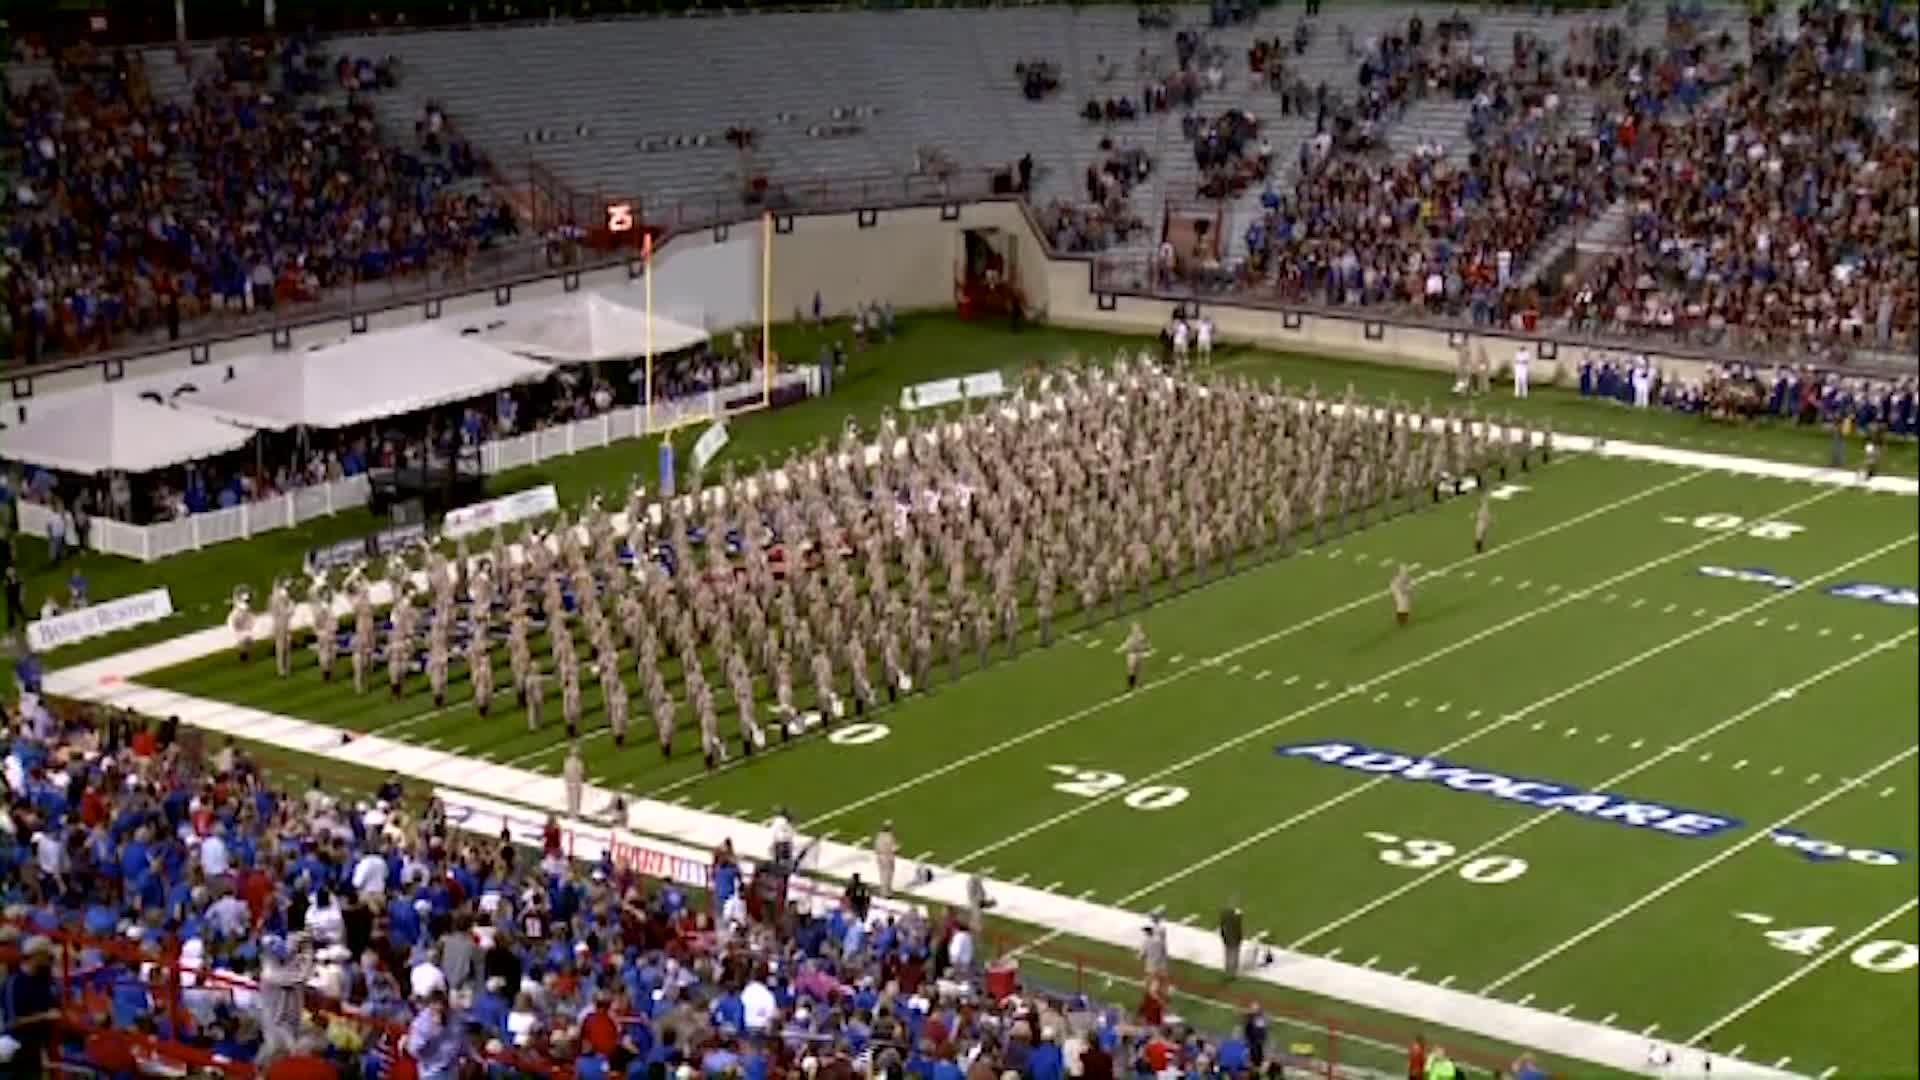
{"x":1416,"y":853}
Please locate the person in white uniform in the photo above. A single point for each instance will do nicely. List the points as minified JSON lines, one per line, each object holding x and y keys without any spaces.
{"x":1522,"y":360}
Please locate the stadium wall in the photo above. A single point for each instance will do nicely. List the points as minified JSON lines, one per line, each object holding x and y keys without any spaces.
{"x":908,"y":256}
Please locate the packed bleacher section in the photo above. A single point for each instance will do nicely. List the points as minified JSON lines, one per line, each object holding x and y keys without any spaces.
{"x":1420,"y":159}
{"x":1738,"y":392}
{"x":1784,"y":208}
{"x":169,"y":903}
{"x":270,"y":184}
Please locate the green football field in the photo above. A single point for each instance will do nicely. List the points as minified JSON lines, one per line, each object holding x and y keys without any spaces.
{"x":1698,"y":646}
{"x":1650,"y":760}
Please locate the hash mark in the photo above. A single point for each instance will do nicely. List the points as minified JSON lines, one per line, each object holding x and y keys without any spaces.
{"x":1017,"y":879}
{"x":1792,"y":626}
{"x":1741,"y":764}
{"x":1648,"y":1031}
{"x":1411,"y":968}
{"x":1572,"y":731}
{"x":1609,"y":598}
{"x":1813,"y":778}
{"x":1859,"y":637}
{"x":1669,"y":609}
{"x":1539,"y":725}
{"x":928,"y":854}
{"x":1321,"y":685}
{"x":1604,"y":736}
{"x":1234,"y":670}
{"x":1290,"y":680}
{"x":1443,"y":706}
{"x":1526,"y":999}
{"x":1333,"y":952}
{"x":1828,"y":1071}
{"x":1553,"y":587}
{"x":1636,"y":744}
{"x":1412,"y":701}
{"x":1051,"y":886}
{"x":1088,"y":895}
{"x":1758,"y":623}
{"x":1264,"y":674}
{"x":1334,"y":554}
{"x":1566,"y":1010}
{"x":1467,"y":573}
{"x":1783,"y":1063}
{"x":1826,"y":630}
{"x":1474,"y":714}
{"x":1371,"y":960}
{"x":1638,"y":602}
{"x":1525,"y":584}
{"x":709,"y":808}
{"x":1497,"y":579}
{"x":1699,"y":613}
{"x":1887,"y":794}
{"x":1380,"y":697}
{"x":1706,"y":757}
{"x":1177,"y":657}
{"x":1608,"y":1019}
{"x":1777,"y":770}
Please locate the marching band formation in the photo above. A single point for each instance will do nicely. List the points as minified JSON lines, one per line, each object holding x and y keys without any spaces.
{"x":1083,"y":494}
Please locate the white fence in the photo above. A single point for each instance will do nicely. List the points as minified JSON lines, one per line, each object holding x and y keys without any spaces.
{"x":150,"y":542}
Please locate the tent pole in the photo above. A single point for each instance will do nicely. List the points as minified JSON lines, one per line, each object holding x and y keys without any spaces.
{"x":646,"y":259}
{"x":766,"y":309}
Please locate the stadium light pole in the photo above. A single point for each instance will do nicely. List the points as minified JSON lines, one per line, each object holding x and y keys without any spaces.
{"x":766,"y":310}
{"x":646,"y":264}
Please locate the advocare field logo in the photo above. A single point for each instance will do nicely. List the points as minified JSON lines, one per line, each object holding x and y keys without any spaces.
{"x":1604,"y":806}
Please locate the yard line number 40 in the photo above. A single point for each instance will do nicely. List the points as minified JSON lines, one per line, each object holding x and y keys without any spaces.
{"x":1885,"y":957}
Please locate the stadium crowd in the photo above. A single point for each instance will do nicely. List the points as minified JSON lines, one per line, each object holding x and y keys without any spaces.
{"x":273,"y":184}
{"x":169,"y":903}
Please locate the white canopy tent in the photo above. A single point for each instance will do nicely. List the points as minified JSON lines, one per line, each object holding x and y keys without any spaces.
{"x":365,"y":378}
{"x":115,"y":430}
{"x":584,"y":327}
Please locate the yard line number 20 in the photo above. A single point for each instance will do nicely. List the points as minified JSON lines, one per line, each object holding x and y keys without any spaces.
{"x":1094,"y":783}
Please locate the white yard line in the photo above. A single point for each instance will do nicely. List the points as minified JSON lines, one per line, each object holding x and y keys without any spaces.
{"x":1620,"y":777}
{"x":1806,"y":969}
{"x":1372,"y":597}
{"x":1418,"y":662}
{"x":1759,"y":836}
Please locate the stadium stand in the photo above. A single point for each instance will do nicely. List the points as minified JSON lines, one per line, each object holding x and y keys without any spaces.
{"x":1513,"y":128}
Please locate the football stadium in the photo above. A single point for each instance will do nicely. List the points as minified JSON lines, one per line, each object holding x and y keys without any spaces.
{"x":1426,"y":501}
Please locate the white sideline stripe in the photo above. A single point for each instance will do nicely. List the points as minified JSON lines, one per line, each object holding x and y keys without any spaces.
{"x":1678,"y":880}
{"x":1264,"y":639}
{"x":1418,"y":662}
{"x":1806,"y":969}
{"x":1625,"y":774}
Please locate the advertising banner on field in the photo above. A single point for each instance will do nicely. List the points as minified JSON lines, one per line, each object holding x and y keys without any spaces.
{"x":96,"y":619}
{"x":350,"y":552}
{"x":712,"y":441}
{"x":494,"y":513}
{"x":932,"y":395}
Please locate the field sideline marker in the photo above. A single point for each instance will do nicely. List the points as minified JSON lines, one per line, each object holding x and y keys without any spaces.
{"x":1271,"y":726}
{"x":1371,"y":597}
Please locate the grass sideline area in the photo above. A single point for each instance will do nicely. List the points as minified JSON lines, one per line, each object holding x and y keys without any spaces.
{"x":927,"y":347}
